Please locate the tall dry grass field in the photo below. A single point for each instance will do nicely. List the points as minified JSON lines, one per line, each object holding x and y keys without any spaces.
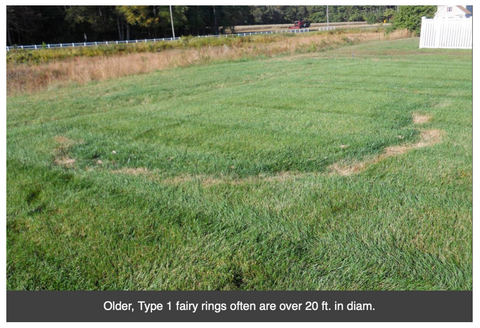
{"x":28,"y":78}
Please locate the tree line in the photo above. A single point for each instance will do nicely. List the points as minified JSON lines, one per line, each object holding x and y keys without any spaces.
{"x":55,"y":24}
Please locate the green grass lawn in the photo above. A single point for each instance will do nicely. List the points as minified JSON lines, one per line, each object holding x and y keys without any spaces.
{"x":217,"y":177}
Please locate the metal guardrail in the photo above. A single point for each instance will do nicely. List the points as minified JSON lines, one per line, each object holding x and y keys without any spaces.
{"x":98,"y":43}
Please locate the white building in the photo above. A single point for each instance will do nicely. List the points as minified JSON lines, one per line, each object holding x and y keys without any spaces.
{"x":451,"y":11}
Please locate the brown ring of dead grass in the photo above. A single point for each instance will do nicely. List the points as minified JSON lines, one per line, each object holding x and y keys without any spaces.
{"x":428,"y":138}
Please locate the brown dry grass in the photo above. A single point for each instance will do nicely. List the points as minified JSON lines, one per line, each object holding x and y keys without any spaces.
{"x":61,"y":156}
{"x":287,"y":176}
{"x":132,"y":171}
{"x":157,"y":176}
{"x":64,"y":141}
{"x":421,"y":119}
{"x":65,"y":161}
{"x":204,"y":180}
{"x":22,"y":78}
{"x":207,"y":180}
{"x":428,"y":138}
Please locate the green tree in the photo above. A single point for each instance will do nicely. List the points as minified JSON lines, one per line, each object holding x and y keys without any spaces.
{"x":231,"y":16}
{"x":410,"y":17}
{"x":143,"y":16}
{"x":389,"y":13}
{"x":357,"y":16}
{"x":317,"y":14}
{"x":258,"y":15}
{"x":274,"y":15}
{"x":99,"y":20}
{"x":155,"y":19}
{"x":291,"y":13}
{"x":22,"y":21}
{"x":197,"y":19}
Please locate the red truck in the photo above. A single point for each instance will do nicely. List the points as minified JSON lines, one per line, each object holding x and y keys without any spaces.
{"x":298,"y":25}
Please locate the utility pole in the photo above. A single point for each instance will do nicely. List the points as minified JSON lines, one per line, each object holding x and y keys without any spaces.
{"x":327,"y":18}
{"x":171,"y":19}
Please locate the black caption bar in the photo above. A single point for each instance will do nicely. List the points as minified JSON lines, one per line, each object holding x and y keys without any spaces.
{"x":239,"y":306}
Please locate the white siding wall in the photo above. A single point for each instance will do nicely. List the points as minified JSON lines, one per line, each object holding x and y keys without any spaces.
{"x":455,"y":13}
{"x":453,"y":33}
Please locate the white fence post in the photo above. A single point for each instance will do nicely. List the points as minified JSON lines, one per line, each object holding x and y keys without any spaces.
{"x":438,"y":30}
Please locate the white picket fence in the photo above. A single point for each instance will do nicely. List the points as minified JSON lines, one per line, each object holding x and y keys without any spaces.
{"x":455,"y":33}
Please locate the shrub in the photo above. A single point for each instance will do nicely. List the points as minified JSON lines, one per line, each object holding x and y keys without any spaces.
{"x":389,"y":29}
